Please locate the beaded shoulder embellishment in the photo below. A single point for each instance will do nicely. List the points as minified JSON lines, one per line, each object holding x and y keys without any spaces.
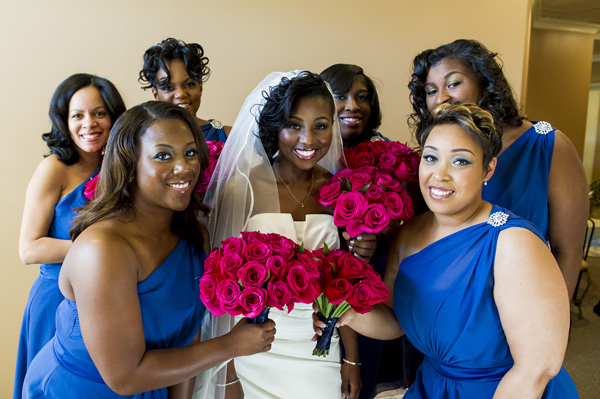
{"x":376,"y":138}
{"x":542,"y":127}
{"x":219,"y":125}
{"x":498,"y":219}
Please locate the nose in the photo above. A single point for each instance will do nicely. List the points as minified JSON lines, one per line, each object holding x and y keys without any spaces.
{"x":351,"y":104}
{"x":441,"y":172}
{"x":182,"y":166}
{"x":442,"y":97}
{"x":179,"y":92}
{"x":89,"y":120}
{"x":307,"y":136}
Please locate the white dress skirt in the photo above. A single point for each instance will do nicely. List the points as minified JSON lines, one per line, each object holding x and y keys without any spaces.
{"x":289,"y":370}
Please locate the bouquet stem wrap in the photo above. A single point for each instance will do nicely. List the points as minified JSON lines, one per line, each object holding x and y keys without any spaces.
{"x":324,"y":341}
{"x":260,"y":318}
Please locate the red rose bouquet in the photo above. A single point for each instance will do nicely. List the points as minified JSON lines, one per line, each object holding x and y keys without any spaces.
{"x":90,"y":187}
{"x":368,"y":195}
{"x":250,"y":274}
{"x":345,"y":282}
{"x":214,"y":151}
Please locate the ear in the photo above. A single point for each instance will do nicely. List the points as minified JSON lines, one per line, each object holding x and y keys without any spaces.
{"x":491,"y":168}
{"x":155,"y":93}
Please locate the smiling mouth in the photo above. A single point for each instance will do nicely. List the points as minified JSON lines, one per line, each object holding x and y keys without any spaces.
{"x":90,"y":136}
{"x":305,"y":154}
{"x":351,"y":121}
{"x":182,"y":186}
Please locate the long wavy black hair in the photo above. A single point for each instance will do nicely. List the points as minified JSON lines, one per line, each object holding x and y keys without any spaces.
{"x":114,"y":190}
{"x":280,"y":100}
{"x":497,"y":95}
{"x":59,"y":138}
{"x":157,"y":57}
{"x":341,"y":78}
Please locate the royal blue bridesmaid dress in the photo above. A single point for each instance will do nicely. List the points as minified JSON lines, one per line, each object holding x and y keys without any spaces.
{"x":214,"y":131}
{"x":38,"y":326}
{"x":444,"y":301}
{"x":171,"y":313}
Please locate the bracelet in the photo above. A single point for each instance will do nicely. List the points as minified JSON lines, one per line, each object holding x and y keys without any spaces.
{"x":352,"y":363}
{"x":228,"y":383}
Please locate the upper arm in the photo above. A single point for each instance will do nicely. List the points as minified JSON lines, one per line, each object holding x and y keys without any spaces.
{"x":567,"y":197}
{"x":532,"y":300}
{"x":43,"y":193}
{"x":102,"y":272}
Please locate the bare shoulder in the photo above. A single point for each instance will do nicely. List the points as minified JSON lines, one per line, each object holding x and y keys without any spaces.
{"x":563,"y":147}
{"x":518,"y":247}
{"x":51,"y":169}
{"x":322,"y":176}
{"x":408,"y":238}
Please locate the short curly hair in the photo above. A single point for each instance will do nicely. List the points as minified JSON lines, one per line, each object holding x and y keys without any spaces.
{"x":341,"y":78}
{"x":476,"y":122}
{"x":59,"y":138}
{"x":497,"y":96}
{"x":279,"y":101}
{"x":157,"y":57}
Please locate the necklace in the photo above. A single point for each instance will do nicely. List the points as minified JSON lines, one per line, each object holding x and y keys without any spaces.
{"x":292,"y":194}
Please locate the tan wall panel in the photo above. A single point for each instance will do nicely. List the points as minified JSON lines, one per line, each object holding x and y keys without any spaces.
{"x":559,"y":81}
{"x":596,"y":72}
{"x":45,"y":41}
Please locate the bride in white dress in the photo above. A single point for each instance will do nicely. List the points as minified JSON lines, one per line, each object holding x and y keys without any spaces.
{"x":284,"y":145}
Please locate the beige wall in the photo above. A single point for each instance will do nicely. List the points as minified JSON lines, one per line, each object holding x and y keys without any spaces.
{"x":558,"y":85}
{"x":45,"y":41}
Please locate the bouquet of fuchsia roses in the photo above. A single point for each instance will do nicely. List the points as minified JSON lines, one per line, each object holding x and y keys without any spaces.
{"x":369,"y":195}
{"x":345,"y":282}
{"x":250,"y":274}
{"x":214,"y":151}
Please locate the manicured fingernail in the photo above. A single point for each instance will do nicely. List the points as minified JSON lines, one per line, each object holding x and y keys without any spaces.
{"x":350,"y":247}
{"x":355,"y":254}
{"x":352,"y":242}
{"x":359,"y":238}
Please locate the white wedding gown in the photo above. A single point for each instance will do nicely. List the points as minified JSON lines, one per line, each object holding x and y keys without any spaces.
{"x":289,"y":370}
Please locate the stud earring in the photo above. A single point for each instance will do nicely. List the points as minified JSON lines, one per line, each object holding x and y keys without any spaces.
{"x":485,"y":182}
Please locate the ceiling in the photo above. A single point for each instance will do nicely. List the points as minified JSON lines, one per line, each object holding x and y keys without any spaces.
{"x":587,"y":11}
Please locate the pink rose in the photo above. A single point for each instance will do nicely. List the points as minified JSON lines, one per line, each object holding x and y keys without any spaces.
{"x":279,"y":295}
{"x":257,"y":250}
{"x":309,"y":263}
{"x":301,"y":284}
{"x":350,"y":156}
{"x":408,"y":168}
{"x":284,"y":247}
{"x":253,"y":274}
{"x":90,"y":187}
{"x":350,"y":206}
{"x":351,"y":268}
{"x":388,"y":182}
{"x":228,"y":294}
{"x":399,"y":205}
{"x":364,"y":159}
{"x":326,"y":270}
{"x":251,"y":236}
{"x":203,"y":181}
{"x":214,"y":148}
{"x":230,"y":264}
{"x":233,"y":245}
{"x":208,"y":294}
{"x":253,"y":301}
{"x":211,"y":263}
{"x":374,"y":194}
{"x":329,"y":192}
{"x":362,"y":298}
{"x":373,"y":279}
{"x":378,"y":148}
{"x":375,"y":219}
{"x":276,"y":264}
{"x":342,"y":174}
{"x":362,"y":147}
{"x":360,"y":180}
{"x":387,"y":162}
{"x":398,"y":148}
{"x":338,"y":290}
{"x":370,"y":170}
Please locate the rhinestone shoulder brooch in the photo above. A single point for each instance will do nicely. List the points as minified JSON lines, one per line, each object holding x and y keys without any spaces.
{"x":219,"y":125}
{"x":498,"y":219}
{"x":542,"y":127}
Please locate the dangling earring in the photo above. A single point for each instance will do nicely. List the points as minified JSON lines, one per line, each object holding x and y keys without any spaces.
{"x":130,"y":179}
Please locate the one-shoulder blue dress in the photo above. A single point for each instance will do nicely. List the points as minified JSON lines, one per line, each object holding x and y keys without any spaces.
{"x":171,"y":313}
{"x":214,"y":131}
{"x":444,"y":301}
{"x":520,"y":182}
{"x":38,"y":320}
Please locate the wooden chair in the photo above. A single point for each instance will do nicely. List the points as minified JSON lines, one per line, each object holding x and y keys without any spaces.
{"x":578,"y":301}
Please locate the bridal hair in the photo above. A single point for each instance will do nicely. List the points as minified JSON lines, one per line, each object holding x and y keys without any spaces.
{"x":115,"y":188}
{"x":157,"y":57}
{"x":59,"y":138}
{"x":476,"y":122}
{"x":341,"y":78}
{"x":497,"y":95}
{"x":279,"y":101}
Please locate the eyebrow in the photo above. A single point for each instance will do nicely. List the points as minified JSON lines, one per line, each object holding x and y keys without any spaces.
{"x":316,"y":119}
{"x":93,"y":109}
{"x":170,"y":146}
{"x":445,"y":77}
{"x":454,"y":150}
